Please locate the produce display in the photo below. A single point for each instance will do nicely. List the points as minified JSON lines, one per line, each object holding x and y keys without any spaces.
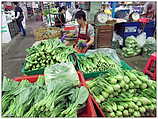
{"x":96,"y":62}
{"x":119,"y":90}
{"x":46,"y":53}
{"x":61,"y":98}
{"x":148,"y":49}
{"x":47,"y":33}
{"x":50,"y":11}
{"x":18,"y":97}
{"x":124,"y":94}
{"x":131,"y":47}
{"x":71,"y":23}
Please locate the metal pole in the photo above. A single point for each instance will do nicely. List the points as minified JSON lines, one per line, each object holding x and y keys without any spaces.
{"x":49,"y":16}
{"x":113,"y":9}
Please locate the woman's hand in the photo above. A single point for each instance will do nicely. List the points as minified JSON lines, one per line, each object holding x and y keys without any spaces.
{"x":83,"y":45}
{"x":67,"y":43}
{"x":63,"y":38}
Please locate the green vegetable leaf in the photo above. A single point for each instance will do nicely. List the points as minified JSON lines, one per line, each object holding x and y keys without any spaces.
{"x":83,"y":95}
{"x":24,"y":95}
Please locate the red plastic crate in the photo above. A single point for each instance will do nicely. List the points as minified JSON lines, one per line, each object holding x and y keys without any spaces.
{"x":88,"y":111}
{"x":98,"y":110}
{"x":69,"y":28}
{"x":144,"y":20}
{"x":31,"y":79}
{"x":149,"y":65}
{"x":84,"y":50}
{"x":81,"y":78}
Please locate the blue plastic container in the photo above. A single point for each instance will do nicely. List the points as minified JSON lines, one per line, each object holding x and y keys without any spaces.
{"x":128,"y":29}
{"x":150,"y":28}
{"x":122,"y":13}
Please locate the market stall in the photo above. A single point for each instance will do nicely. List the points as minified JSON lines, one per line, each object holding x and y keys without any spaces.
{"x":60,"y":81}
{"x":111,"y":90}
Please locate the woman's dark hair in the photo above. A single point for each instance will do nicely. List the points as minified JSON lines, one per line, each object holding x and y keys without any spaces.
{"x":76,"y":6}
{"x":149,"y":6}
{"x":80,"y":14}
{"x":62,"y":8}
{"x":15,"y":3}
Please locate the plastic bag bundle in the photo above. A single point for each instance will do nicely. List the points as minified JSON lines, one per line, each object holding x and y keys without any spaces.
{"x":63,"y":71}
{"x":117,"y":41}
{"x":149,"y":46}
{"x":132,"y":48}
{"x":141,"y":39}
{"x":111,"y":53}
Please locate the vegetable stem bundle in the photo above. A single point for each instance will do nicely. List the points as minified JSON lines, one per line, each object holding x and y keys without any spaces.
{"x":126,"y":94}
{"x":131,"y":47}
{"x":46,"y":53}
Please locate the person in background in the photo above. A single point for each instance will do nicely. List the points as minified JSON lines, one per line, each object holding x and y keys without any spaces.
{"x":60,"y":19}
{"x":68,"y":4}
{"x":75,"y":11}
{"x":85,"y":31}
{"x":150,"y":10}
{"x":19,"y":17}
{"x":107,"y":9}
{"x":68,"y":15}
{"x":57,"y":5}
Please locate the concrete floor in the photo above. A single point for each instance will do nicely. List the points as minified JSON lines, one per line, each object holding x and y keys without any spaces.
{"x":13,"y":54}
{"x":137,"y":62}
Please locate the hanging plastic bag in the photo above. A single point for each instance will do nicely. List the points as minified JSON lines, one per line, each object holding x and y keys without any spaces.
{"x":149,"y":47}
{"x":150,"y":40}
{"x":111,"y":53}
{"x":63,"y":72}
{"x":131,"y":47}
{"x":118,"y":38}
{"x":141,"y":39}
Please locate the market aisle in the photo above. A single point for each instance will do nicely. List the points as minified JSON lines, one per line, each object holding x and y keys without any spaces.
{"x":13,"y":54}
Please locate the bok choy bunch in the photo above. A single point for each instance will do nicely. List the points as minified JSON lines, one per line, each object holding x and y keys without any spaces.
{"x":46,"y":53}
{"x":124,"y":94}
{"x":96,"y":62}
{"x":131,"y":47}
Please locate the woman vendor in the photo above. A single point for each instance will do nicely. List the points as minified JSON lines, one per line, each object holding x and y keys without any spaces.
{"x":84,"y":32}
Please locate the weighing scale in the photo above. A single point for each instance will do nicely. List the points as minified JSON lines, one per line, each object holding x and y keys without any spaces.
{"x":101,"y":18}
{"x":134,"y":16}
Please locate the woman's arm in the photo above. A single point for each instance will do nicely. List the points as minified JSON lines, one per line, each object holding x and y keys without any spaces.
{"x":63,"y":19}
{"x":91,"y":41}
{"x":91,"y":35}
